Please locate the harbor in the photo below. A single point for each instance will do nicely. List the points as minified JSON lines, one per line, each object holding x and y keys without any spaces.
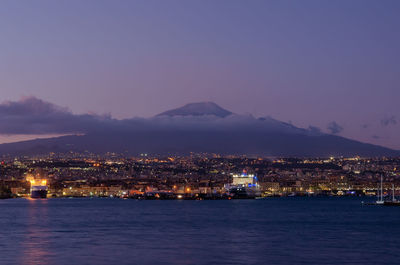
{"x":382,"y":200}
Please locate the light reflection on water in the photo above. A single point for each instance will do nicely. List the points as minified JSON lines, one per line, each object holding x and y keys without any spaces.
{"x":35,"y":246}
{"x":277,"y":231}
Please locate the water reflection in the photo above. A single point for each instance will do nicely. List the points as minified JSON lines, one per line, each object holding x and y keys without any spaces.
{"x":36,"y":242}
{"x":275,"y":231}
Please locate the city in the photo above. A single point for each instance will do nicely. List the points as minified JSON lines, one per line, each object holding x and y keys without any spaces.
{"x":182,"y":132}
{"x":196,"y":177}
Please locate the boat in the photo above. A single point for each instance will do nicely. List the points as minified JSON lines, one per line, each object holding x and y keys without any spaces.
{"x":39,"y":188}
{"x":38,"y":192}
{"x":381,"y":201}
{"x":394,"y":201}
{"x":244,"y":186}
{"x":241,"y":193}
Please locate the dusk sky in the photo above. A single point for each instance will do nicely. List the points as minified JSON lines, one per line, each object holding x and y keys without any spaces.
{"x":330,"y":64}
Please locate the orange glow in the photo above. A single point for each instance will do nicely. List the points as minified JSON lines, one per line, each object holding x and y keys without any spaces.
{"x":35,"y":182}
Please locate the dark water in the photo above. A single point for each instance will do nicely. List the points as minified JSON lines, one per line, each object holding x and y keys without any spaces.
{"x":272,"y":231}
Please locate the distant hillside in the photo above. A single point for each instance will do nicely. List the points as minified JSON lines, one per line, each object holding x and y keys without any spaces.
{"x":183,"y":142}
{"x":200,"y":127}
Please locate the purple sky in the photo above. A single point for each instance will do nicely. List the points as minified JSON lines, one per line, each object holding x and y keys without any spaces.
{"x":308,"y":62}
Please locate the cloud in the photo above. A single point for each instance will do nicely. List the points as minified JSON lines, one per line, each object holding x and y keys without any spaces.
{"x":334,"y":128}
{"x":388,"y":121}
{"x":376,"y":137}
{"x":314,"y":129}
{"x":364,"y":126}
{"x":31,"y":115}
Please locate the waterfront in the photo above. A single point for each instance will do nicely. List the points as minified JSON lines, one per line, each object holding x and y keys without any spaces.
{"x":202,"y":176}
{"x":275,"y":231}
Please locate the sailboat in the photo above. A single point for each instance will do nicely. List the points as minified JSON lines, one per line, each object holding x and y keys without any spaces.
{"x":379,"y":195}
{"x":394,"y":202}
{"x":380,"y":200}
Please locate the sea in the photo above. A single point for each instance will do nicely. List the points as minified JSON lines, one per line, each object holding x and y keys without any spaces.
{"x":317,"y":230}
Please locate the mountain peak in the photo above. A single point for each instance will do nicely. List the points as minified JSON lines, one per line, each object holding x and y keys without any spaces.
{"x":198,"y":109}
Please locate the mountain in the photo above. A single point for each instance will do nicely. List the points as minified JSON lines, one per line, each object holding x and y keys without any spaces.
{"x":198,"y":109}
{"x":200,"y":128}
{"x":240,"y":142}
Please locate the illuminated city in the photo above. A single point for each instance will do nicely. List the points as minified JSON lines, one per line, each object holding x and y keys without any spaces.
{"x":212,"y":132}
{"x":197,"y":177}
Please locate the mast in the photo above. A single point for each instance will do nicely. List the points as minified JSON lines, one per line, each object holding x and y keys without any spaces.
{"x":377,"y":192}
{"x":393,"y":193}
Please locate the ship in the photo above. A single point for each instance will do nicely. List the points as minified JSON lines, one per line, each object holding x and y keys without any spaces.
{"x":244,"y":186}
{"x":394,"y":201}
{"x":381,"y":201}
{"x":38,"y":192}
{"x":38,"y":188}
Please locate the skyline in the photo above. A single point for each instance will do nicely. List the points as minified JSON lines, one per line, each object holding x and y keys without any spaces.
{"x":199,"y":132}
{"x":332,"y":65}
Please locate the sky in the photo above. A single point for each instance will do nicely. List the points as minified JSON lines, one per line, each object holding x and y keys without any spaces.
{"x":333,"y":65}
